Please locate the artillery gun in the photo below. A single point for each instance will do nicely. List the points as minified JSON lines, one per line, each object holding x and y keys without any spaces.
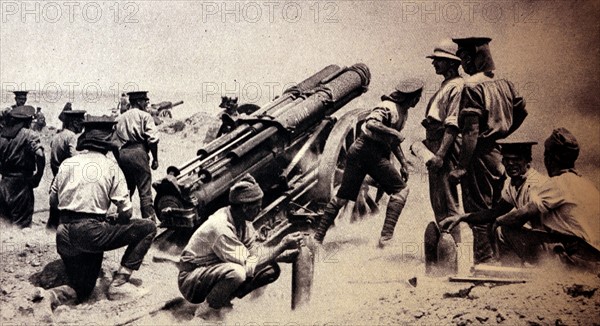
{"x":163,"y":109}
{"x":293,"y":147}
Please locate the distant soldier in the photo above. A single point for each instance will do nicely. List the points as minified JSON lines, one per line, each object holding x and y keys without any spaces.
{"x":491,"y":109}
{"x":63,"y":146}
{"x":370,"y":155}
{"x":39,"y":120}
{"x":136,"y":134}
{"x":84,"y":233}
{"x":20,"y":100}
{"x":22,"y":164}
{"x":227,"y":119}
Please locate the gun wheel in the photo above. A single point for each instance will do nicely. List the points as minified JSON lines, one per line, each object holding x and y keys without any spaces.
{"x":333,"y":163}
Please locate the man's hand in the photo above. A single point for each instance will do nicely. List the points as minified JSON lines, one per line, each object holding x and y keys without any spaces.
{"x":154,"y":165}
{"x":435,"y":162}
{"x":288,"y":256}
{"x":450,"y":222}
{"x":456,"y":175}
{"x":404,"y":172}
{"x":293,"y":240}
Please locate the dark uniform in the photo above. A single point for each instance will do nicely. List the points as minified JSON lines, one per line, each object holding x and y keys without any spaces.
{"x":370,"y":154}
{"x":496,"y":107}
{"x":21,"y":165}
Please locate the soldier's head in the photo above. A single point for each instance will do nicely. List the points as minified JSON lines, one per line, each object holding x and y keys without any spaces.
{"x":73,"y":120}
{"x":516,"y":157}
{"x":39,"y":109}
{"x":561,"y":150}
{"x":407,"y":93}
{"x":229,"y":104}
{"x":138,"y":99}
{"x":97,"y":134}
{"x":475,"y":55}
{"x":20,"y":97}
{"x":17,"y":119}
{"x":444,"y":58}
{"x":245,"y":197}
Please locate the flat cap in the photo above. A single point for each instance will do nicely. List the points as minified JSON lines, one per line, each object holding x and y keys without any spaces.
{"x":471,"y":41}
{"x":98,"y":122}
{"x":562,"y":144}
{"x":21,"y":93}
{"x":409,"y":86}
{"x":245,"y":191}
{"x":445,"y":49}
{"x":22,"y":112}
{"x":73,"y":114}
{"x":138,"y":95}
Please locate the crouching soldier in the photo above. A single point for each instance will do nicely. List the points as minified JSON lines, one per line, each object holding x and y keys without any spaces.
{"x":221,"y":260}
{"x":83,"y":189}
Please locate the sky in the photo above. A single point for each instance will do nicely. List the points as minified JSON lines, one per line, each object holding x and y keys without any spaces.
{"x":196,"y":51}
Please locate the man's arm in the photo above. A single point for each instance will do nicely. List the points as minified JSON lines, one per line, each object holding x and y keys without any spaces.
{"x":397,"y":150}
{"x":519,"y":216}
{"x":481,"y":217}
{"x":40,"y":163}
{"x":378,"y":127}
{"x":470,"y":133}
{"x":450,"y":133}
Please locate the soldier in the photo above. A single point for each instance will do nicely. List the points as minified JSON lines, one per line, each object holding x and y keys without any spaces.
{"x":491,"y":109}
{"x":221,"y":260}
{"x":39,"y":120}
{"x":20,"y":100}
{"x":136,"y":134}
{"x":84,"y":232}
{"x":370,"y":154}
{"x":123,"y":104}
{"x":441,"y":131}
{"x":22,"y":163}
{"x":518,"y":191}
{"x":63,"y":146}
{"x":568,"y":205}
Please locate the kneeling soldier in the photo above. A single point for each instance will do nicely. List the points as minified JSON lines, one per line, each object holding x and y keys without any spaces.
{"x":83,"y":189}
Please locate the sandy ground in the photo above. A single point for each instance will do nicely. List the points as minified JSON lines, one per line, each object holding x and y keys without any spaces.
{"x":355,"y":283}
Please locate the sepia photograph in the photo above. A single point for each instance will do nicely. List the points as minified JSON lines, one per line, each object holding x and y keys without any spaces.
{"x":299,"y":162}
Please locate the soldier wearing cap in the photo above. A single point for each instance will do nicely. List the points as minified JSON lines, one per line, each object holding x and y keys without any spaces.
{"x":22,"y":164}
{"x":441,"y":131}
{"x":221,"y":260}
{"x":491,"y":109}
{"x":370,"y":154}
{"x":84,"y":187}
{"x":63,"y":146}
{"x":20,"y":100}
{"x":518,"y":191}
{"x":568,"y":206}
{"x":136,"y":134}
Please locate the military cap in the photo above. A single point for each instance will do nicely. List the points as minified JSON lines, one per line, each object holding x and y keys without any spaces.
{"x":445,"y":49}
{"x":245,"y":191}
{"x":22,"y":112}
{"x":409,"y":86}
{"x":563,"y":145}
{"x":472,"y":41}
{"x":516,"y":147}
{"x":97,"y":134}
{"x":21,"y":93}
{"x":98,"y":122}
{"x":139,"y":95}
{"x":72,"y":114}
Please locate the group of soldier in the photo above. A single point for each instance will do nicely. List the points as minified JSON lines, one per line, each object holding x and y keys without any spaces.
{"x":467,"y":124}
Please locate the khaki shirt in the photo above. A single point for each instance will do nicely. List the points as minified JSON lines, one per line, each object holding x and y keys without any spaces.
{"x":136,"y":126}
{"x":218,"y":241}
{"x":88,"y":183}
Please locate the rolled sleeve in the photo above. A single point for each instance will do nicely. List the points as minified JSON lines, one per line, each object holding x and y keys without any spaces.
{"x":380,"y":114}
{"x":119,"y":194}
{"x":454,"y":99}
{"x":548,"y":197}
{"x":150,"y":129}
{"x":229,"y":249}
